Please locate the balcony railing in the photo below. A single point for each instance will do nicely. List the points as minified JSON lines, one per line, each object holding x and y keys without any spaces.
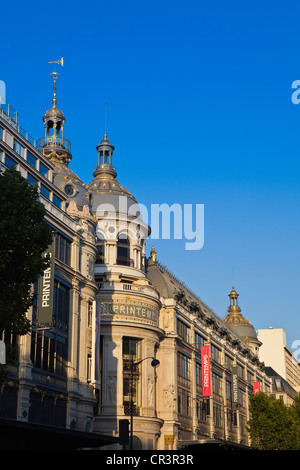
{"x":55,"y":142}
{"x":10,"y":115}
{"x":125,"y":261}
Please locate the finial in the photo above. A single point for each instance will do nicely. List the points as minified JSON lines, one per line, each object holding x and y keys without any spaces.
{"x":55,"y":75}
{"x":153,"y":254}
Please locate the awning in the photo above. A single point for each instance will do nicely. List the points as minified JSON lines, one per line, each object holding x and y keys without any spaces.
{"x":19,"y":435}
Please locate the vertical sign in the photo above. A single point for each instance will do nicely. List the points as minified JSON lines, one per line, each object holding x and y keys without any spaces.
{"x":256,"y":387}
{"x":46,"y":285}
{"x":235,"y":387}
{"x":205,"y":358}
{"x":96,"y":344}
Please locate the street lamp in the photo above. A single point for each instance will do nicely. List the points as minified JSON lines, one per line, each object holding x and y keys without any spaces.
{"x":154,"y":363}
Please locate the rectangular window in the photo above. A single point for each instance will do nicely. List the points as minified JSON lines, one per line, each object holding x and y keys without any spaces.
{"x":184,"y":369}
{"x":199,"y":341}
{"x":184,"y":402}
{"x":62,"y":248}
{"x":44,"y":170}
{"x":215,"y":353}
{"x":49,"y":349}
{"x":31,"y":179}
{"x":31,"y":159}
{"x":131,"y":375}
{"x":183,"y":331}
{"x":9,"y":162}
{"x":56,"y":201}
{"x":1,"y":133}
{"x":45,"y":192}
{"x":18,"y":148}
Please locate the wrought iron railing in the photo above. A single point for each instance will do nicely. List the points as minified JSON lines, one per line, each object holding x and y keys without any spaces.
{"x":54,"y":141}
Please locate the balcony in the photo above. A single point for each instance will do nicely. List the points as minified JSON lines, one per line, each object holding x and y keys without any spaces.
{"x":54,"y":142}
{"x":124,"y":261}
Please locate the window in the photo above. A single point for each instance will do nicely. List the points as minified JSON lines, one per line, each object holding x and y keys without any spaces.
{"x":56,"y":201}
{"x":183,"y":331}
{"x":218,"y":414}
{"x":100,"y":251}
{"x":199,"y":341}
{"x":183,"y":367}
{"x":184,"y":402}
{"x":18,"y":148}
{"x":216,"y":385}
{"x":45,"y":192}
{"x":215,"y":353}
{"x":62,"y":248}
{"x":44,"y":170}
{"x":131,"y":375}
{"x":31,"y":159}
{"x":49,"y":348}
{"x":123,"y":252}
{"x":198,"y":376}
{"x":9,"y":162}
{"x":1,"y":133}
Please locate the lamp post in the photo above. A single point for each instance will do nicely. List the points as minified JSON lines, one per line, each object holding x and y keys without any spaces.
{"x":154,"y":363}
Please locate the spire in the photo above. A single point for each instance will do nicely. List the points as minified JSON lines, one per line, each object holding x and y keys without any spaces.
{"x":105,"y":150}
{"x":237,"y":321}
{"x":233,"y":301}
{"x":54,"y":145}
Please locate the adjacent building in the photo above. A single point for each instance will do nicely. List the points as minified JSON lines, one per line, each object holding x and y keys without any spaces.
{"x":280,"y":359}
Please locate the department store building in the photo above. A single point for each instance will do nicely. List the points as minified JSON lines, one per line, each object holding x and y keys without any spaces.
{"x":124,"y":337}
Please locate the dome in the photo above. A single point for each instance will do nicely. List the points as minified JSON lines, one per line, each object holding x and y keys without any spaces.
{"x":68,"y":182}
{"x":240,"y":325}
{"x":54,"y":113}
{"x":236,"y":321}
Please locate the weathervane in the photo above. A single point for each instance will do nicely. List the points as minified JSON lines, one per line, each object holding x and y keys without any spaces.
{"x":55,"y":75}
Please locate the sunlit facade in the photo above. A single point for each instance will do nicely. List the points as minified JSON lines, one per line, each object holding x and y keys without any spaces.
{"x":115,"y":310}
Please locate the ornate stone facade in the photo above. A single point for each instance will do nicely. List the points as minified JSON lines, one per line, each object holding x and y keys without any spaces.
{"x":115,"y":311}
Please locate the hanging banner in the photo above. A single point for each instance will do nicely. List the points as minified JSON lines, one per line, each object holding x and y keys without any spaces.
{"x":256,"y":387}
{"x":45,"y":292}
{"x":96,"y":344}
{"x":205,"y":358}
{"x":235,"y":387}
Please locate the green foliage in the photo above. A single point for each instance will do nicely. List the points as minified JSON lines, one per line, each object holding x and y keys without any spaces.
{"x":24,"y":237}
{"x":273,"y":425}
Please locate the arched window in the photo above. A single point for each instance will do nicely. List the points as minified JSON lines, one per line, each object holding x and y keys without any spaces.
{"x":123,"y":251}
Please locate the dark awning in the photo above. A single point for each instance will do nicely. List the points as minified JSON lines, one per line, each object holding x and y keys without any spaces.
{"x":18,"y":435}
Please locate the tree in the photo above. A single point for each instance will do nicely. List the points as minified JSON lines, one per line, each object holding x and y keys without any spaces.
{"x":24,"y":237}
{"x":273,"y":426}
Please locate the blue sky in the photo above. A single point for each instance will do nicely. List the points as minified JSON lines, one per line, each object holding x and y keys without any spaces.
{"x":199,"y":110}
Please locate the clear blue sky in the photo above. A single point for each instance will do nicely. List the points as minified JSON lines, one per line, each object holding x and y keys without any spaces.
{"x":199,"y":111}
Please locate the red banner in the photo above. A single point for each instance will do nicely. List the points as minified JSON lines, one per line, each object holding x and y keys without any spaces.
{"x":256,"y":387}
{"x":206,"y":386}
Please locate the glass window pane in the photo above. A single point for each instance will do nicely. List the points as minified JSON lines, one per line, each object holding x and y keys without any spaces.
{"x":31,"y":179}
{"x":44,"y":170}
{"x":31,"y":159}
{"x":19,"y":148}
{"x":9,"y":162}
{"x":45,"y":192}
{"x":56,"y":201}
